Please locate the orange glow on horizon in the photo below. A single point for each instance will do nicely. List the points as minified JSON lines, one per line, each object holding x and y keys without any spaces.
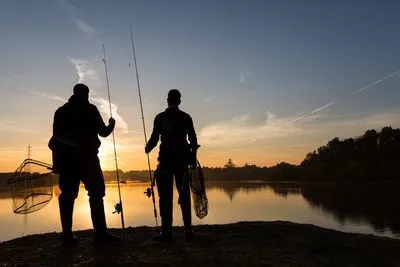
{"x":10,"y":164}
{"x":138,"y":161}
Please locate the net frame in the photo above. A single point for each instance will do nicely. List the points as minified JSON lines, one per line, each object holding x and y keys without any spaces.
{"x":31,"y":191}
{"x":198,"y":189}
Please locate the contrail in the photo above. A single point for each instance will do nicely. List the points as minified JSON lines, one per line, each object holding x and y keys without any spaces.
{"x":374,"y":83}
{"x":312,"y":112}
{"x":353,"y":93}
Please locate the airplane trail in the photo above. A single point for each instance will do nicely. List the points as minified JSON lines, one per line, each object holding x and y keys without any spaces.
{"x":352,"y":93}
{"x":312,"y":112}
{"x":374,"y":83}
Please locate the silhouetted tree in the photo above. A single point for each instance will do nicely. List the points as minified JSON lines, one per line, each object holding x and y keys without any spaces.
{"x":230,"y":164}
{"x":372,"y":156}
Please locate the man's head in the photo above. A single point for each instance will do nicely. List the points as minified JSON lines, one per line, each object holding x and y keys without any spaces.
{"x":174,"y":98}
{"x":81,"y":90}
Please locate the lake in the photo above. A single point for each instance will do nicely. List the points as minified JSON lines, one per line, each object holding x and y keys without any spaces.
{"x":368,"y":208}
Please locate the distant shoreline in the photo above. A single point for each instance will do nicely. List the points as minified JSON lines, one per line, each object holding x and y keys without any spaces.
{"x":4,"y":186}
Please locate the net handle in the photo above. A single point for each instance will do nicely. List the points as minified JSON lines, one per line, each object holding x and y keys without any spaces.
{"x":11,"y":180}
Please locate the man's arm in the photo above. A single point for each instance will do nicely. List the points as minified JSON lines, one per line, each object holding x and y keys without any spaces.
{"x":107,"y":130}
{"x":192,"y":142}
{"x":155,"y":135}
{"x":192,"y":134}
{"x":102,"y":129}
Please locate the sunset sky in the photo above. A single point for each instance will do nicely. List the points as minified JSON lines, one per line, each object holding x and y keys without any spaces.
{"x":264,"y":81}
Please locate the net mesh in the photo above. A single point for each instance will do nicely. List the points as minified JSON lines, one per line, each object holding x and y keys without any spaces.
{"x":31,"y":186}
{"x":198,"y":188}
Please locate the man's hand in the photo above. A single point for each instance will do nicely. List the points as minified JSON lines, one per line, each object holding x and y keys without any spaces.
{"x":111,"y":121}
{"x":193,"y":162}
{"x":147,"y":150}
{"x":192,"y":166}
{"x":193,"y":157}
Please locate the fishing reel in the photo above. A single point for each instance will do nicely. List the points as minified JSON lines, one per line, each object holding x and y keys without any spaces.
{"x":118,"y":208}
{"x":148,"y":192}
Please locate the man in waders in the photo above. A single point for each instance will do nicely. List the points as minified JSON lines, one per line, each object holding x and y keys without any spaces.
{"x":75,"y":145}
{"x":175,"y":157}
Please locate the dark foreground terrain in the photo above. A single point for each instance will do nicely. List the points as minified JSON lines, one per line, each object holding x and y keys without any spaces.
{"x":241,"y":244}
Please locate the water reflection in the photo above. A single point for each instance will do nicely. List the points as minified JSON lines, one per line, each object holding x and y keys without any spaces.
{"x":373,"y":203}
{"x":359,"y":208}
{"x":231,"y":188}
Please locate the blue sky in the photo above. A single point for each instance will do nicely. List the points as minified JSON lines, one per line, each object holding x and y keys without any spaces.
{"x":246,"y":69}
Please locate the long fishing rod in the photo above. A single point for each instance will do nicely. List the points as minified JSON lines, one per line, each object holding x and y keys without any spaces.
{"x":150,"y":191}
{"x":118,"y":206}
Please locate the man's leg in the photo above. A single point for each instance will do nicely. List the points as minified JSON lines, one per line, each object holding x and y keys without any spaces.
{"x":69,"y":186}
{"x":182,"y":185}
{"x":164,"y":181}
{"x":94,"y":184}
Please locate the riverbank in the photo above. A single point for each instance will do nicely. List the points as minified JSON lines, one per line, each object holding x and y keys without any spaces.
{"x":248,"y":243}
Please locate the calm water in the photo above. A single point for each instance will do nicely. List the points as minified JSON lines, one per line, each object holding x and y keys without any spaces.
{"x":368,"y":209}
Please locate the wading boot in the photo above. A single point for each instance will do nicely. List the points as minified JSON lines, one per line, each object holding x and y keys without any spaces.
{"x":167,"y":238}
{"x":166,"y":232}
{"x":99,"y":222}
{"x":69,"y":239}
{"x":189,"y":233}
{"x":66,"y":210}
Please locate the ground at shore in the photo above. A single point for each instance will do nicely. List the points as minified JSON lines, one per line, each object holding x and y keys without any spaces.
{"x":241,"y":244}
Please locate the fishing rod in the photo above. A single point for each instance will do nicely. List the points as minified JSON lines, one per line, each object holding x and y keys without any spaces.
{"x":150,"y":191}
{"x":118,"y":206}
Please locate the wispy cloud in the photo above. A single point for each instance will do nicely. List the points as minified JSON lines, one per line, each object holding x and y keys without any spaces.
{"x":73,"y":14}
{"x":85,"y":70}
{"x":83,"y":26}
{"x":357,"y":122}
{"x":51,"y":97}
{"x":239,"y":131}
{"x":44,"y":95}
{"x":88,"y":74}
{"x":244,"y":76}
{"x":104,"y":108}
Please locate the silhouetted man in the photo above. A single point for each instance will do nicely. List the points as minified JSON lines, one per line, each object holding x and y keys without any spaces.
{"x":75,"y":145}
{"x":176,"y":155}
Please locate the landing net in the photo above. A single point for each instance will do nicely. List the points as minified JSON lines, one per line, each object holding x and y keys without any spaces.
{"x":198,"y":188}
{"x":31,"y":186}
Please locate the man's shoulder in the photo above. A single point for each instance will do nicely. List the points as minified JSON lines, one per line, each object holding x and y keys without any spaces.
{"x":177,"y":114}
{"x":61,"y":109}
{"x":185,"y":115}
{"x":93,"y":108}
{"x":160,"y":115}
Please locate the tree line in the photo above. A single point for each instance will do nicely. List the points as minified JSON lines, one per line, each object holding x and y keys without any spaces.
{"x":373,"y":156}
